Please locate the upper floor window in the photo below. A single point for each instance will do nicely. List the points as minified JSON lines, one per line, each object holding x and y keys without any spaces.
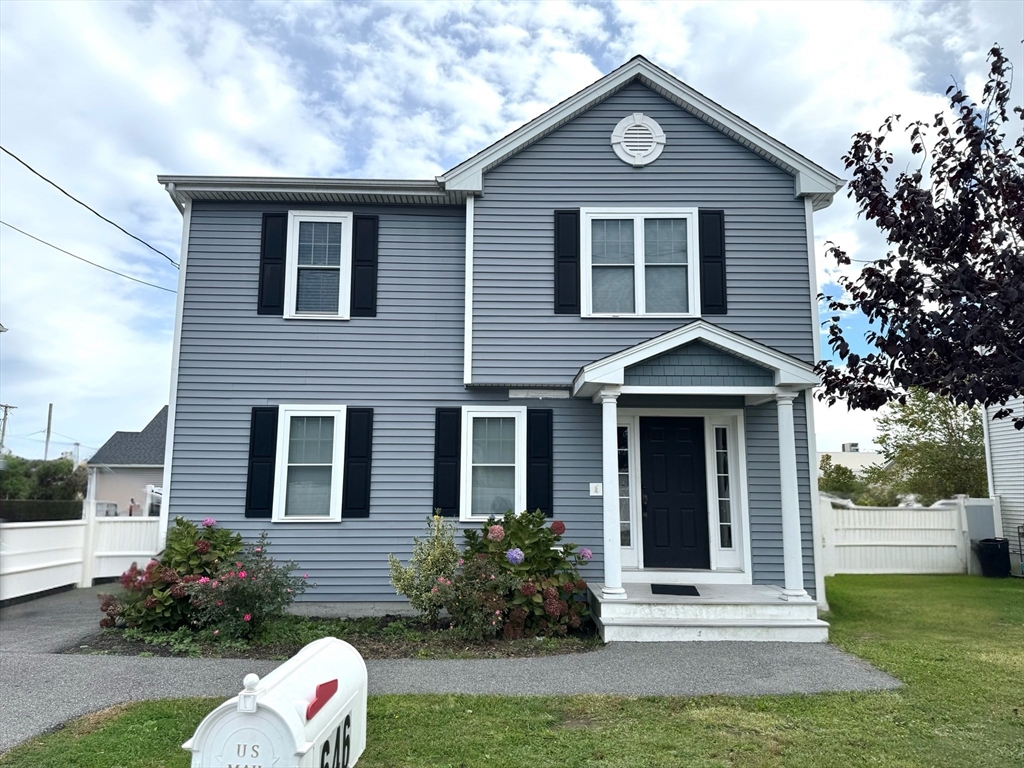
{"x":318,"y":264}
{"x":639,"y":262}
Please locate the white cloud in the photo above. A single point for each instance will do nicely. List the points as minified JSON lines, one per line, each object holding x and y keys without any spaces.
{"x":103,"y":96}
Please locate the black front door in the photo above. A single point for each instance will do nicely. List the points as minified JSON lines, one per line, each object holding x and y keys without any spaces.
{"x":674,"y":493}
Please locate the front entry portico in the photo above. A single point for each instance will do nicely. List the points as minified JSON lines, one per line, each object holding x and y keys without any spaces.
{"x":676,"y":499}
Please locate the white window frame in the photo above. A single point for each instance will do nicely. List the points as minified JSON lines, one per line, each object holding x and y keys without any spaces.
{"x":469,"y":413}
{"x":284,"y":417}
{"x":588,"y":215}
{"x":291,"y":277}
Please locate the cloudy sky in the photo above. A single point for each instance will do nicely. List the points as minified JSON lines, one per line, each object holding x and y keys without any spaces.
{"x":101,"y":97}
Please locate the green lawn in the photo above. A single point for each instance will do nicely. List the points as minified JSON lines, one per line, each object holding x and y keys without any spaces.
{"x":957,"y":642}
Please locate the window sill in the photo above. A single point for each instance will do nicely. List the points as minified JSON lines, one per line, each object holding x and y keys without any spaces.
{"x":315,"y":317}
{"x":646,"y":314}
{"x":306,"y":520}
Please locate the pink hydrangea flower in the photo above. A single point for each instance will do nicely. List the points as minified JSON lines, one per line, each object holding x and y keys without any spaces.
{"x":257,"y":549}
{"x":204,"y":580}
{"x":247,"y":617}
{"x":586,"y":554}
{"x":242,"y":574}
{"x":216,"y":632}
{"x":214,"y":583}
{"x":209,"y":522}
{"x":495,"y":533}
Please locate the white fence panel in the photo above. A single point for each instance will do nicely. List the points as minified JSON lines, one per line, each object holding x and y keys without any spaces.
{"x":35,"y":557}
{"x":893,"y":539}
{"x":119,"y":541}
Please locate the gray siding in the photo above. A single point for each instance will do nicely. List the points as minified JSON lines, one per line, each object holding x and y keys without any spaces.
{"x":1006,"y":454}
{"x":516,"y":336}
{"x":698,"y":364}
{"x":765,"y":496}
{"x":404,"y":363}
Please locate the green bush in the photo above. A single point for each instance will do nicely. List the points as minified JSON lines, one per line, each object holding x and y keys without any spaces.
{"x":550,"y":597}
{"x":239,"y":600}
{"x":155,"y":597}
{"x":434,"y":557}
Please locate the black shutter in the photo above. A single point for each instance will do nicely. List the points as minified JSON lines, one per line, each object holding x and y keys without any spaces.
{"x":272,"y":248}
{"x":567,"y":262}
{"x":713,"y":294}
{"x":364,"y":266}
{"x":358,"y":449}
{"x":539,"y":461}
{"x":447,"y":460}
{"x":259,"y":487}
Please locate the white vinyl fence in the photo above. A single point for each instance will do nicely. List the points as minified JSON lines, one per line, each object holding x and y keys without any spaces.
{"x":901,"y":539}
{"x":35,"y":557}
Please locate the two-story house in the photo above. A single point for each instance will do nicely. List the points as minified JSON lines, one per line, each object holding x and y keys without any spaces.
{"x":609,"y":315}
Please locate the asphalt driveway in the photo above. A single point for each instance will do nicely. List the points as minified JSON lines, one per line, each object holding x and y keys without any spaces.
{"x":41,"y":689}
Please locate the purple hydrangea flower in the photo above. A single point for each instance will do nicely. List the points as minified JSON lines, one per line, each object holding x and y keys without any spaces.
{"x":209,"y":522}
{"x":585,"y":553}
{"x":515,"y":556}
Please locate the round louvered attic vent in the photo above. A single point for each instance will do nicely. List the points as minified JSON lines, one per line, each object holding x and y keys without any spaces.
{"x":638,"y":140}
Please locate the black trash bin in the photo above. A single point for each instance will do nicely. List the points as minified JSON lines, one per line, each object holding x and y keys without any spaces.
{"x":994,"y":555}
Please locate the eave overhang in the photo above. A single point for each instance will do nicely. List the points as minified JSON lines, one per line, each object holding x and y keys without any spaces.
{"x":609,"y":371}
{"x":309,"y":190}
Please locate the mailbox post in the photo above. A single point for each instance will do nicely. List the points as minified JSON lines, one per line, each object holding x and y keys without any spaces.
{"x":308,"y":713}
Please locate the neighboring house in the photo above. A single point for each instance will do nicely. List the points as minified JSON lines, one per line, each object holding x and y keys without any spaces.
{"x":609,"y":315}
{"x":1004,"y":454}
{"x":852,"y":458}
{"x":124,"y":465}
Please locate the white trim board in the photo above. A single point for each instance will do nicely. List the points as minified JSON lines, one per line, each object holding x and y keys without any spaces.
{"x":172,"y":399}
{"x":611,"y":370}
{"x":810,"y":180}
{"x":467,"y":343}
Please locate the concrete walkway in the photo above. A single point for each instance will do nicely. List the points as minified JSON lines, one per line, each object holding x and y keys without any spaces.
{"x":40,"y":689}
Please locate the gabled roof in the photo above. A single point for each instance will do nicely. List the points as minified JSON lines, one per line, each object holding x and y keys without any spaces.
{"x":811,"y":180}
{"x":141,"y":449}
{"x":788,"y":371}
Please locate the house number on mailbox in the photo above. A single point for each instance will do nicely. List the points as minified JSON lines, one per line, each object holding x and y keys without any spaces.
{"x":342,"y":746}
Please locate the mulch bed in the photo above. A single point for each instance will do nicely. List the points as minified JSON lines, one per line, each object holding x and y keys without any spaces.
{"x":409,"y":642}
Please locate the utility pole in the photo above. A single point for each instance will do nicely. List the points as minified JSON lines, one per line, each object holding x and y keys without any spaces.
{"x":49,"y":423}
{"x":3,"y":424}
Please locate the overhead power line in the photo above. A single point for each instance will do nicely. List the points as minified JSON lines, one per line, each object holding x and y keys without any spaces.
{"x":85,"y":205}
{"x":69,"y":253}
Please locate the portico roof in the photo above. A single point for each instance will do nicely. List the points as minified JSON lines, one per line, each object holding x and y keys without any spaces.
{"x":788,"y":371}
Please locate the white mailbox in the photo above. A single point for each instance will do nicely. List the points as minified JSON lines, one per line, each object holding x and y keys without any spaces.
{"x":308,"y":713}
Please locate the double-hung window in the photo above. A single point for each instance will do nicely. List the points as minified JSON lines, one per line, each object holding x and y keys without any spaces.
{"x":310,"y":456}
{"x":318,"y":264}
{"x":639,"y":262}
{"x":494,"y":461}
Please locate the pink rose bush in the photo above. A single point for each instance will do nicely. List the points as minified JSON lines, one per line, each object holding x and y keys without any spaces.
{"x":247,"y":593}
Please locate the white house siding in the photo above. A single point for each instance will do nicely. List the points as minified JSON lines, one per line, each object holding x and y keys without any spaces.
{"x":1005,"y":452}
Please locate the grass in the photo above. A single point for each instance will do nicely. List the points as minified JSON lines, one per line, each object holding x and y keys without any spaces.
{"x":956,"y":641}
{"x":388,"y":637}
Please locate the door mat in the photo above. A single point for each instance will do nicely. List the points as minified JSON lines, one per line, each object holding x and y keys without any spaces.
{"x":674,"y":589}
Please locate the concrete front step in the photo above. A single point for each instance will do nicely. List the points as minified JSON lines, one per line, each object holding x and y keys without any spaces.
{"x":775,"y":610}
{"x":752,"y":630}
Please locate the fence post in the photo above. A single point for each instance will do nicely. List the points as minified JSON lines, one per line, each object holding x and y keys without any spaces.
{"x":997,"y":517}
{"x":89,"y":533}
{"x":963,"y":538}
{"x":827,"y":517}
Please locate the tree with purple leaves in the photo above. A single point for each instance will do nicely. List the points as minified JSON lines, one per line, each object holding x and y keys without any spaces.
{"x":946,"y":302}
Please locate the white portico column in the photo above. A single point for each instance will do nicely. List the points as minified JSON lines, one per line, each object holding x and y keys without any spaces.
{"x":792,"y":550}
{"x":612,"y":587}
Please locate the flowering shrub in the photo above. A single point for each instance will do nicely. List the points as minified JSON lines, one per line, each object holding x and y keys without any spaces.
{"x":476,"y":597}
{"x":155,"y":597}
{"x":549,"y":597}
{"x":247,"y":592}
{"x":434,"y":557}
